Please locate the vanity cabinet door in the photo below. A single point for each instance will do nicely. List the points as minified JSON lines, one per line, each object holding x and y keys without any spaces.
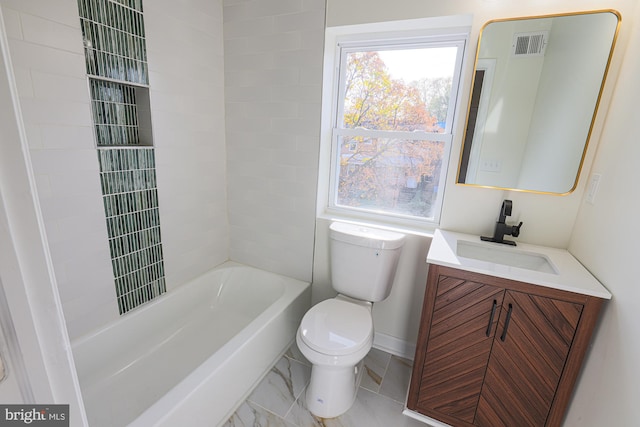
{"x":533,"y":340}
{"x":462,"y":328}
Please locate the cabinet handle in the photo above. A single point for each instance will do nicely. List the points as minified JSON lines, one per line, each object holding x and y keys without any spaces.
{"x":493,"y":313}
{"x":506,"y":323}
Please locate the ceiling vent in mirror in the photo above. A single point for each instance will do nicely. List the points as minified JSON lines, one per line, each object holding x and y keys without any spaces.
{"x":530,"y":44}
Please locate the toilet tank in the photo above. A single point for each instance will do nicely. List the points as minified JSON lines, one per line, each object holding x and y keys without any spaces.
{"x":363,"y":260}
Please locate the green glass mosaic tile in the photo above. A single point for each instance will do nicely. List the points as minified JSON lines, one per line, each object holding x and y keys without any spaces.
{"x":114,"y":39}
{"x":130,"y":198}
{"x":115,"y":113}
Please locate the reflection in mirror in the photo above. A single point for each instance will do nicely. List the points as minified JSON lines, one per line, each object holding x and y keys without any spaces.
{"x":536,"y":89}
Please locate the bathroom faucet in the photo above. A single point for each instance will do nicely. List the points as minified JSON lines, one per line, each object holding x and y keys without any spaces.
{"x":502,"y":229}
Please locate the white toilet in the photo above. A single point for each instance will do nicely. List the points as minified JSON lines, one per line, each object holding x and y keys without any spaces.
{"x":336,"y":334}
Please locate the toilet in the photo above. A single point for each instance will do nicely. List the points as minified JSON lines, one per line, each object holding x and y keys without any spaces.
{"x":336,"y":334}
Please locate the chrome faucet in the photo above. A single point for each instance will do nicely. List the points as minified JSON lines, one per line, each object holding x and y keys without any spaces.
{"x":502,"y":229}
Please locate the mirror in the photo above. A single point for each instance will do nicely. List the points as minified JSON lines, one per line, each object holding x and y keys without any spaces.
{"x":536,"y":88}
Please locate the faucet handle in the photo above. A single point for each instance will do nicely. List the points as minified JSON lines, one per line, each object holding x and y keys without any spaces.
{"x":516,"y":230}
{"x":506,"y":207}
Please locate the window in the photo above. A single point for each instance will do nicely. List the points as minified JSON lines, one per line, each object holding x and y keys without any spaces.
{"x":391,"y":125}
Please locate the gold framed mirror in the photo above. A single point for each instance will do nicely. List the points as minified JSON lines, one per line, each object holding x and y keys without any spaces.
{"x":535,"y":94}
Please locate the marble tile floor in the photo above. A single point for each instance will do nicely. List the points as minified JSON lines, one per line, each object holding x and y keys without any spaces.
{"x":278,"y":401}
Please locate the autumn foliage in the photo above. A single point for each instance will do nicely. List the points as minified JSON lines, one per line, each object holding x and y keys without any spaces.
{"x":397,"y":175}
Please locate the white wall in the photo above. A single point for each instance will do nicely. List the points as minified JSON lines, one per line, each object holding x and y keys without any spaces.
{"x":184,"y":43}
{"x":273,"y":77}
{"x":605,"y":240}
{"x":40,"y":353}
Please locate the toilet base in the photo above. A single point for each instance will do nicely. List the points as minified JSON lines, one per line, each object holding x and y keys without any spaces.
{"x":332,"y":389}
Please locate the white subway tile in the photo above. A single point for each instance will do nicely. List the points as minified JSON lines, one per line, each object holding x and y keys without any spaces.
{"x":24,"y":83}
{"x":57,"y":87}
{"x":42,"y":58}
{"x":310,"y":76}
{"x":274,"y":42}
{"x":255,"y":27}
{"x":62,"y":206}
{"x":312,"y":39}
{"x":249,"y":94}
{"x":273,"y":7}
{"x":86,"y":314}
{"x":51,"y":33}
{"x":61,"y":11}
{"x":314,"y":5}
{"x":43,"y":186}
{"x":12,"y":23}
{"x":254,"y":61}
{"x":235,"y":12}
{"x":298,"y":93}
{"x":298,"y":58}
{"x":263,"y":109}
{"x":69,"y":253}
{"x":34,"y":135}
{"x":50,"y":112}
{"x":298,"y":126}
{"x":67,"y":137}
{"x":205,"y":16}
{"x":68,"y":161}
{"x":304,"y":21}
{"x":74,"y":183}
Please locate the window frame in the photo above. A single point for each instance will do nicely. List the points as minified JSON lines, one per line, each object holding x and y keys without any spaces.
{"x":362,"y":38}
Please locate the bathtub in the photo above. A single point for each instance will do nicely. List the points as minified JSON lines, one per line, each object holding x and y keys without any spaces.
{"x":193,"y":355}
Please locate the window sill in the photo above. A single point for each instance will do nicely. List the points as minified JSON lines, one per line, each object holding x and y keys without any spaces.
{"x":413,"y":227}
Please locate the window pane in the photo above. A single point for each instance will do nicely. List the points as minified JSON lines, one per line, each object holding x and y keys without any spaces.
{"x":389,"y":175}
{"x":398,"y":89}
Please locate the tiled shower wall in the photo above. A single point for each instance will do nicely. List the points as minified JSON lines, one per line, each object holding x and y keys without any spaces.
{"x":273,"y":72}
{"x":130,"y":197}
{"x":45,"y":43}
{"x":115,"y":49}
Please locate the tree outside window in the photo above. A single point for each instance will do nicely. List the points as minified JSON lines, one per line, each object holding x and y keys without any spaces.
{"x":392,"y":109}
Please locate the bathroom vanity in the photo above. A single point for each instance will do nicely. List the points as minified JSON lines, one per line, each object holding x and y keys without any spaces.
{"x":503,"y":334}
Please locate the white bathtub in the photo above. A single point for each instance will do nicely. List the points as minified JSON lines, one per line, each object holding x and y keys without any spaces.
{"x":192,"y":356}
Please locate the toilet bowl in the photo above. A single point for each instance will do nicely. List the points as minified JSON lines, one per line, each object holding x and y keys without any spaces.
{"x":336,"y":334}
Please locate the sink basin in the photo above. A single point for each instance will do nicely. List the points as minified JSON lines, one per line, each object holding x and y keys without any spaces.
{"x":510,"y":256}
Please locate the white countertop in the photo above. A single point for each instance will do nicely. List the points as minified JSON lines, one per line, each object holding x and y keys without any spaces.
{"x":571,"y":275}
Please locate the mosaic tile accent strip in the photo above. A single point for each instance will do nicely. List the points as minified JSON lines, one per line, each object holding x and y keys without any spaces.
{"x":114,"y":39}
{"x":131,"y":206}
{"x":115,"y":114}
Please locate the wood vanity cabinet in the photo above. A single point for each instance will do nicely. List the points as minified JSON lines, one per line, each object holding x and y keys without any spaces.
{"x":495,"y":352}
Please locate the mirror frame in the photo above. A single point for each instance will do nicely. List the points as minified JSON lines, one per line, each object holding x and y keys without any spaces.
{"x":595,"y":110}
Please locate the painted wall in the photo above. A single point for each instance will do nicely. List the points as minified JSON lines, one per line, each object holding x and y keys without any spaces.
{"x":184,"y":44}
{"x":605,"y":240}
{"x":273,"y":78}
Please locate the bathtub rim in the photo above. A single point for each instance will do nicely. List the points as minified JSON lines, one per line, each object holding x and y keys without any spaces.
{"x":142,"y":308}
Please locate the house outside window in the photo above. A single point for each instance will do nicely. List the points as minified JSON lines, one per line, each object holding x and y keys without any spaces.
{"x":394,"y":101}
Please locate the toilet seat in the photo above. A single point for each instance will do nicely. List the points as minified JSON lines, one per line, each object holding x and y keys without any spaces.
{"x":336,"y":327}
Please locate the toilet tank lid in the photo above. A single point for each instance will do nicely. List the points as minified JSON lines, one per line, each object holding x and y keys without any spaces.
{"x":365,"y":236}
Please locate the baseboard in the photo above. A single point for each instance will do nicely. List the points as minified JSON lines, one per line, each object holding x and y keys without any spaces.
{"x":424,"y":419}
{"x":394,"y":345}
